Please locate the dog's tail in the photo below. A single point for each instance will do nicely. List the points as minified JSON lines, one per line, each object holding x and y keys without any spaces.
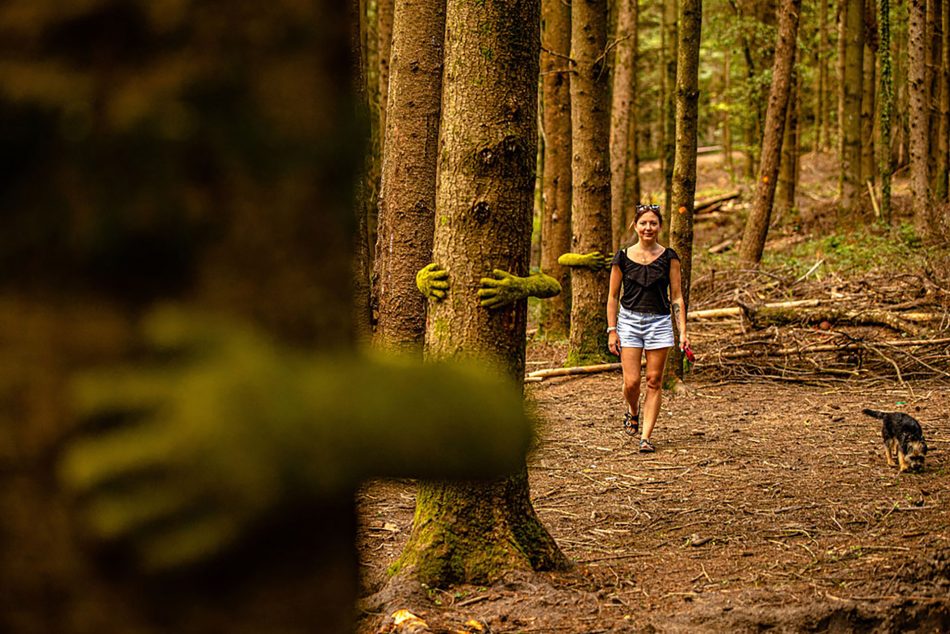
{"x":873,"y":413}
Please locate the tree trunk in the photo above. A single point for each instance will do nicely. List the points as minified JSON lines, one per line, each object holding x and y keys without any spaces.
{"x":668,"y":86}
{"x":631,"y":194}
{"x":887,"y":105}
{"x":384,"y":32}
{"x":366,"y":186}
{"x":821,"y":98}
{"x":591,"y":178}
{"x":467,"y":532}
{"x":851,"y":88}
{"x":407,"y":190}
{"x":919,"y":97}
{"x":941,"y":186}
{"x":622,"y":102}
{"x":757,"y":225}
{"x":868,"y":93}
{"x":789,"y":164}
{"x":726,"y":120}
{"x":555,"y":318}
{"x":684,"y":172}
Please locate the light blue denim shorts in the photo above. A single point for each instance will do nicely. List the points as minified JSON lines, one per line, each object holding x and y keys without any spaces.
{"x":644,"y":330}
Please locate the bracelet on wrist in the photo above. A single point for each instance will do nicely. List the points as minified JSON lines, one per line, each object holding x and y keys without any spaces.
{"x":611,"y":329}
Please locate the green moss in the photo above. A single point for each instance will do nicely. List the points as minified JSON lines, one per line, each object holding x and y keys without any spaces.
{"x":440,"y":327}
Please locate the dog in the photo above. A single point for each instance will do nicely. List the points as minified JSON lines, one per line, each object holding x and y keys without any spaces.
{"x":903,"y":440}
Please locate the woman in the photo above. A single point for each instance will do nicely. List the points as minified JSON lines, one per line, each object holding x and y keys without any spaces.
{"x":639,"y":317}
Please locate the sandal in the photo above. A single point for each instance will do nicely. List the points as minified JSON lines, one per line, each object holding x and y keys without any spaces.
{"x":646,"y":446}
{"x":631,"y":423}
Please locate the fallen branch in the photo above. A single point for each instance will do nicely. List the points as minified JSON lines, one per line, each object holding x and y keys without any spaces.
{"x":709,"y":203}
{"x":735,"y":310}
{"x":584,"y":369}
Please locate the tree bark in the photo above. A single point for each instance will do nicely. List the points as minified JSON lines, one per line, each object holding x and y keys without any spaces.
{"x":407,"y":189}
{"x":918,"y":97}
{"x":851,"y":88}
{"x":887,"y":105}
{"x":757,"y":225}
{"x":623,"y":92}
{"x":684,"y":170}
{"x":821,"y":97}
{"x":670,"y":42}
{"x":941,"y":185}
{"x":384,"y":32}
{"x":555,"y":318}
{"x":869,"y":92}
{"x":787,"y":185}
{"x":468,"y":532}
{"x":591,"y":179}
{"x":726,"y":119}
{"x":632,"y":187}
{"x":365,"y":83}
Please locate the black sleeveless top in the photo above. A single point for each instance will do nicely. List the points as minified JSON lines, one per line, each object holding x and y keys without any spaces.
{"x":645,"y":285}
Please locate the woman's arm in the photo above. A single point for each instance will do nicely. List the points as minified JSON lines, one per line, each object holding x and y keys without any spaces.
{"x":677,"y":305}
{"x":613,"y":308}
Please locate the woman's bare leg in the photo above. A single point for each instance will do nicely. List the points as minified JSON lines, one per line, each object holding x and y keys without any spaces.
{"x":656,"y":360}
{"x":630,"y":360}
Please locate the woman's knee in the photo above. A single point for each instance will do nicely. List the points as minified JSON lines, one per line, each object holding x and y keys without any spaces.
{"x":631,"y":383}
{"x":654,"y":380}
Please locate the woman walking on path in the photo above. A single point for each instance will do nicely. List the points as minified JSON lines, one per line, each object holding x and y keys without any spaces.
{"x":639,"y":318}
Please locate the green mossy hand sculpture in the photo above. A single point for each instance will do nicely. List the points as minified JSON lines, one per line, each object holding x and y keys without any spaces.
{"x":178,"y":458}
{"x":433,"y":281}
{"x":503,"y":288}
{"x":595,"y":260}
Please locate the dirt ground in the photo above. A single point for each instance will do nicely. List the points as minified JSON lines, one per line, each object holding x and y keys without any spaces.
{"x":765,"y":507}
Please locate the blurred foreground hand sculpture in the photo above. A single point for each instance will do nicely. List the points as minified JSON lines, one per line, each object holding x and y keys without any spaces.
{"x":182,"y":456}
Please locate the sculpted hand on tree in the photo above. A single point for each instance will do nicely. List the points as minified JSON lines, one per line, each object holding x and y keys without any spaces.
{"x":595,"y":260}
{"x":501,"y":289}
{"x":433,"y":281}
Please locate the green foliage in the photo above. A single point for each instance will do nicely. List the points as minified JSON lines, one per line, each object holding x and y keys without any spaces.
{"x":860,"y":250}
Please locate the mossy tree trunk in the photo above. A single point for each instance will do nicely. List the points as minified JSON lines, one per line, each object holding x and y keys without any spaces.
{"x":555,"y":319}
{"x":407,"y":191}
{"x":590,"y":220}
{"x":472,"y":532}
{"x":623,"y":91}
{"x":918,"y":97}
{"x":684,"y":166}
{"x":757,"y":225}
{"x":852,"y":83}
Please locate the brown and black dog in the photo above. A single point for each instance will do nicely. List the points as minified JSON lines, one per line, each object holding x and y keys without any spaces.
{"x":903,"y":440}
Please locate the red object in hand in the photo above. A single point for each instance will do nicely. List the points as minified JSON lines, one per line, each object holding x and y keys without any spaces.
{"x":689,"y":353}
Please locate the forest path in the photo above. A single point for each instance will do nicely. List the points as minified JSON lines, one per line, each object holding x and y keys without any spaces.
{"x":766,"y":505}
